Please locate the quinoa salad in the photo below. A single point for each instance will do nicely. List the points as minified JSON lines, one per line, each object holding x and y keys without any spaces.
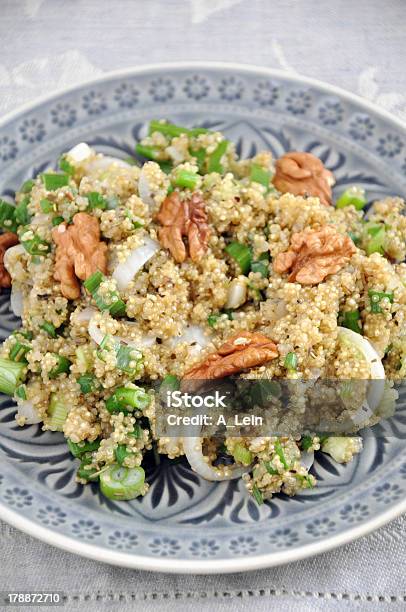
{"x":185,"y":264}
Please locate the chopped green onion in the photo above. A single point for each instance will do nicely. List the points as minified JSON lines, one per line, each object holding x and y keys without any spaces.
{"x":271,"y":470}
{"x":128,"y":359}
{"x":257,"y":495}
{"x":65,"y":166}
{"x":213,"y":319}
{"x":186,"y":179}
{"x":121,"y":453}
{"x":57,"y":221}
{"x":7,"y":216}
{"x":52,"y":182}
{"x":80,"y":448}
{"x":258,"y":174}
{"x":62,"y":366}
{"x":356,"y":239}
{"x":200,"y":156}
{"x":242,"y":254}
{"x":242,"y":454}
{"x":28,"y":335}
{"x":34,"y":246}
{"x":170,"y":383}
{"x":306,"y":442}
{"x":122,"y":483}
{"x":172,"y":130}
{"x":166,"y":166}
{"x":353,"y":196}
{"x":85,"y":472}
{"x":148,"y":152}
{"x":375,"y":298}
{"x":96,"y":200}
{"x":126,"y":398}
{"x":136,"y":432}
{"x":57,"y":413}
{"x":116,"y":307}
{"x":49,"y":328}
{"x":214,"y":162}
{"x":376,"y":233}
{"x":304,"y":480}
{"x":261,"y":265}
{"x":27,"y":186}
{"x":351,"y":319}
{"x":22,"y":215}
{"x":290,"y":362}
{"x":21,"y":392}
{"x":87,"y":383}
{"x":11,"y":375}
{"x":262,"y":391}
{"x":18,"y":352}
{"x":47,"y":206}
{"x":281,"y":454}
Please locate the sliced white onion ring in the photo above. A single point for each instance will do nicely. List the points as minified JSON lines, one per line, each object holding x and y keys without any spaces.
{"x":27,"y":410}
{"x":103,"y":163}
{"x":193,"y":335}
{"x":80,"y":152}
{"x":12,"y":253}
{"x":194,"y":454}
{"x":144,"y":188}
{"x":376,"y":385}
{"x":16,"y":302}
{"x":125,"y":272}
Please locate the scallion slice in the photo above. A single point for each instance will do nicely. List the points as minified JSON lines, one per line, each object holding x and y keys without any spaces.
{"x":351,"y":319}
{"x":214,"y":160}
{"x":172,"y":130}
{"x":22,"y":215}
{"x":11,"y":375}
{"x":121,"y":453}
{"x":52,"y":181}
{"x":49,"y":328}
{"x":258,"y":174}
{"x":57,"y":413}
{"x":270,"y":469}
{"x":27,"y":186}
{"x":375,"y":298}
{"x":148,"y":151}
{"x":353,"y":196}
{"x":122,"y":483}
{"x":115,"y":305}
{"x":18,"y":352}
{"x":80,"y":448}
{"x":21,"y":392}
{"x":7,"y":216}
{"x":65,"y":166}
{"x":96,"y":200}
{"x":257,"y":495}
{"x":47,"y":206}
{"x":290,"y":362}
{"x":62,"y":366}
{"x":281,"y":454}
{"x":186,"y":179}
{"x":242,"y":454}
{"x":57,"y":221}
{"x":242,"y":254}
{"x":87,"y":383}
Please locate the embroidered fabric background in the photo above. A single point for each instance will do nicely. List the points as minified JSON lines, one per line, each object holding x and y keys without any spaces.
{"x":48,"y":45}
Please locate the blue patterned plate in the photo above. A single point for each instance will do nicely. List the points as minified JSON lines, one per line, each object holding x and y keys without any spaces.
{"x":185,"y":524}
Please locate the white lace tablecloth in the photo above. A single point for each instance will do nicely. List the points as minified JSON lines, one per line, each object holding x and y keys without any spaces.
{"x":359,"y":45}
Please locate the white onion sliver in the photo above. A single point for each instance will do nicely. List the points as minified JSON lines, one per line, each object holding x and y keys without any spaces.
{"x":85,"y":315}
{"x":144,"y":189}
{"x":103,"y":163}
{"x":80,"y":152}
{"x":16,"y":302}
{"x":125,"y":272}
{"x":376,"y":385}
{"x":95,"y":333}
{"x":192,"y":334}
{"x":194,"y":454}
{"x":26,"y":409}
{"x":307,"y":459}
{"x":9,"y":255}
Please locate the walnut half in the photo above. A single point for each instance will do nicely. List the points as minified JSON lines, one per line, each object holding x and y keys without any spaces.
{"x":303,"y":174}
{"x":79,"y":253}
{"x":183,"y":218}
{"x":242,"y":351}
{"x":314,"y":254}
{"x":7,"y":240}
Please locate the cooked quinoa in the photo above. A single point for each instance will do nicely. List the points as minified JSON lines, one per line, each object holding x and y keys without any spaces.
{"x":91,"y":345}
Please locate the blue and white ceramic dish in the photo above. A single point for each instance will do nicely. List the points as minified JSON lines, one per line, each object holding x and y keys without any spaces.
{"x":185,"y":524}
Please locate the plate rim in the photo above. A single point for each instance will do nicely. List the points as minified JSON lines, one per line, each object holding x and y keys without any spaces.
{"x":254,"y":562}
